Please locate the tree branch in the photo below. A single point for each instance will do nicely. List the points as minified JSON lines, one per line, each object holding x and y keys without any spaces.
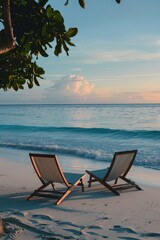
{"x":8,"y":43}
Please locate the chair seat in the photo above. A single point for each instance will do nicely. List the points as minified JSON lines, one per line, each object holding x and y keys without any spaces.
{"x":100,"y":173}
{"x":73,"y":177}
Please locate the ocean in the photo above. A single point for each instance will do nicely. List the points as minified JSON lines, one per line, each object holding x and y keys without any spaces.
{"x":82,"y":136}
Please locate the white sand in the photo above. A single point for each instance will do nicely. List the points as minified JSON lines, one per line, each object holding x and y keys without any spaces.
{"x":94,"y":214}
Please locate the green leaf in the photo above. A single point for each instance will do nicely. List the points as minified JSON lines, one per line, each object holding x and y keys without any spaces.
{"x":30,"y":84}
{"x":24,"y":2}
{"x":69,"y":42}
{"x":49,"y":12}
{"x":66,"y":3}
{"x":82,"y":3}
{"x":65,"y":48}
{"x":71,"y":32}
{"x":36,"y":81}
{"x":40,"y":71}
{"x":44,"y":30}
{"x":49,"y":45}
{"x":21,"y":81}
{"x":58,"y":49}
{"x":21,"y":87}
{"x":43,"y":52}
{"x":43,"y":2}
{"x":15,"y":87}
{"x":58,"y":17}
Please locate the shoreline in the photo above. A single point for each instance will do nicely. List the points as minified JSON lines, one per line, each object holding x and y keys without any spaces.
{"x":94,"y":214}
{"x":77,"y":163}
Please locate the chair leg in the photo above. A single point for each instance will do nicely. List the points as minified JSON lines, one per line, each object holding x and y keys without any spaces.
{"x":103,"y":183}
{"x":53,"y":186}
{"x":133,"y":184}
{"x":110,"y":188}
{"x":64,"y":195}
{"x":69,"y":190}
{"x":39,"y":189}
{"x":30,"y":196}
{"x":116,"y":181}
{"x":82,"y":184}
{"x":90,"y":181}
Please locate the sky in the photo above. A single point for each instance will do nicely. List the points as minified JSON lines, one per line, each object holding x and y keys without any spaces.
{"x":116,"y":58}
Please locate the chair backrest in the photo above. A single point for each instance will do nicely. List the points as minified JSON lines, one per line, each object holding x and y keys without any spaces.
{"x":48,"y":168}
{"x":120,"y":165}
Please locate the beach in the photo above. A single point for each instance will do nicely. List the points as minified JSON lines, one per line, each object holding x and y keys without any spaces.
{"x":84,"y":137}
{"x":93,"y":214}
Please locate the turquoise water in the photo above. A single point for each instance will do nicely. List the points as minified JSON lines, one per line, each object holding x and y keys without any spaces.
{"x":84,"y":132}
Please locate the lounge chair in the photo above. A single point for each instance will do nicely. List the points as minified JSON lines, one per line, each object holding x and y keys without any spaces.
{"x":49,"y":172}
{"x":120,"y":166}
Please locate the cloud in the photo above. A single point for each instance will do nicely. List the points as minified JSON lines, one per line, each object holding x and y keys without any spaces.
{"x":121,"y":56}
{"x":151,"y":97}
{"x":73,"y":85}
{"x":139,"y":97}
{"x":123,"y":76}
{"x":76,"y":69}
{"x":34,"y":95}
{"x":76,"y":89}
{"x":143,"y":48}
{"x":68,"y":89}
{"x":158,"y":42}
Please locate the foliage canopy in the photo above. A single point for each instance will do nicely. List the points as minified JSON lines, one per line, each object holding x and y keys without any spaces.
{"x":36,"y":26}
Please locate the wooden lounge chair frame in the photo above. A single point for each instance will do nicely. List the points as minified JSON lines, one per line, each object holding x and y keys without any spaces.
{"x":121,"y":160}
{"x":52,"y":174}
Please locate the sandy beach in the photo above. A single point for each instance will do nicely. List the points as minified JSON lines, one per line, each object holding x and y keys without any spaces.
{"x":94,"y":214}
